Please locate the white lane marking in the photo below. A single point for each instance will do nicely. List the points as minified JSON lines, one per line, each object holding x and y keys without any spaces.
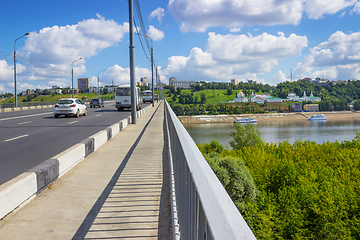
{"x":16,"y":138}
{"x":26,"y":116}
{"x":24,"y":122}
{"x":98,"y":115}
{"x":73,"y":122}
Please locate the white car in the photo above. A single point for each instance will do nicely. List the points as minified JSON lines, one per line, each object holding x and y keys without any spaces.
{"x":70,"y":107}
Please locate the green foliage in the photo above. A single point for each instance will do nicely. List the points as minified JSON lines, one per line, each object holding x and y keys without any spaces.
{"x":178,"y":109}
{"x":245,"y":136}
{"x":305,"y":190}
{"x":203,"y":98}
{"x":235,"y":177}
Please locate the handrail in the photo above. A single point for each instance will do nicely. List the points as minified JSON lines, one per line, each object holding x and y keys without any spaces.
{"x":204,"y":209}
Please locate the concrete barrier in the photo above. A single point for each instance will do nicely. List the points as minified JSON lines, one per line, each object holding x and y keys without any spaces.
{"x":18,"y":191}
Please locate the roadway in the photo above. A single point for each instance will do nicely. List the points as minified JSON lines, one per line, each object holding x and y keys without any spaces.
{"x":30,"y":137}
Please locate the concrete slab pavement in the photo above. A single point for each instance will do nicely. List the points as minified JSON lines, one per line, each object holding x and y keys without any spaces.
{"x":115,"y":193}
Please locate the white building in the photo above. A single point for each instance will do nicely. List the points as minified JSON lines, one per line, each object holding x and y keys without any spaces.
{"x":240,"y":97}
{"x":259,"y":98}
{"x":234,"y":81}
{"x":311,"y":98}
{"x":293,"y":97}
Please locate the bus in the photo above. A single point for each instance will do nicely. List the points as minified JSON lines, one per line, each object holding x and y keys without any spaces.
{"x":123,"y":97}
{"x":147,"y":96}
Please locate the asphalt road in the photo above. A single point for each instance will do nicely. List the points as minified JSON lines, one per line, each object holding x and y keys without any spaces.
{"x":28,"y":138}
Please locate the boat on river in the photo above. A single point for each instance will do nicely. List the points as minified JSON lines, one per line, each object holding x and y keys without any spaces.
{"x":318,"y":118}
{"x":245,"y":120}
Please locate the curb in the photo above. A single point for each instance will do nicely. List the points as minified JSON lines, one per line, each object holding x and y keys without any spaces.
{"x":20,"y":190}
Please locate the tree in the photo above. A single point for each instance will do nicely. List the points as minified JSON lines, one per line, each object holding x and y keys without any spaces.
{"x":230,"y":91}
{"x":245,"y":136}
{"x":203,"y":98}
{"x":178,"y":91}
{"x":178,"y":109}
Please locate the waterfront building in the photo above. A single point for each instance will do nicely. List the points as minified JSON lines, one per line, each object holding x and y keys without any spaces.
{"x":297,"y":107}
{"x":311,"y":107}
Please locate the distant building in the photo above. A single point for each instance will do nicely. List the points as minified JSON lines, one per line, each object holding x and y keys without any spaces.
{"x":311,"y":107}
{"x":234,"y":81}
{"x":297,"y":107}
{"x":321,"y":82}
{"x":311,"y":98}
{"x":76,"y":91}
{"x":143,"y":81}
{"x":57,"y":91}
{"x":274,"y":100}
{"x":259,"y":98}
{"x":181,"y":84}
{"x":293,"y":97}
{"x":252,"y":81}
{"x":240,"y":97}
{"x":83,"y":84}
{"x":27,"y":92}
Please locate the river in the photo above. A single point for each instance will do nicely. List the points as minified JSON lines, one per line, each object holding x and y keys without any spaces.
{"x":280,"y":131}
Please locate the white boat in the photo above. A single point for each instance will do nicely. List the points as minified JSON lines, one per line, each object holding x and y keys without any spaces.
{"x":317,"y":118}
{"x":245,"y":120}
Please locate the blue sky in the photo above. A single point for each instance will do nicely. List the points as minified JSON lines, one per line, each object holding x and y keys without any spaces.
{"x":209,"y":40}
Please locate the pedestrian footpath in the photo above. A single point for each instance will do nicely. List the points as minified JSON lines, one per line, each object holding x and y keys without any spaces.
{"x":118,"y":192}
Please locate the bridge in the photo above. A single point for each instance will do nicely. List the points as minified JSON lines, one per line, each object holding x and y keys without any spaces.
{"x":131,"y":181}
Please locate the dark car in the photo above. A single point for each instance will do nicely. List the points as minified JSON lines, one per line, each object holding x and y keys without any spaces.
{"x":97,"y":102}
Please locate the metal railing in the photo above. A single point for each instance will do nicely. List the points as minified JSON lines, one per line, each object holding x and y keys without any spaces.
{"x":201,"y":207}
{"x":27,"y":104}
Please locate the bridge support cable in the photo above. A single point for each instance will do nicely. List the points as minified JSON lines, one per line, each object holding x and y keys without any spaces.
{"x":204,"y":209}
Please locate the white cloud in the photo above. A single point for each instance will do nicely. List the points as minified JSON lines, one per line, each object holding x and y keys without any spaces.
{"x":234,"y":56}
{"x":61,"y":45}
{"x":356,"y":8}
{"x":155,"y":34}
{"x":159,"y":13}
{"x":318,"y":8}
{"x":6,"y":71}
{"x":235,"y":29}
{"x":202,"y":14}
{"x":240,"y":48}
{"x":335,"y":58}
{"x":278,"y":78}
{"x":120,"y":75}
{"x":53,"y":49}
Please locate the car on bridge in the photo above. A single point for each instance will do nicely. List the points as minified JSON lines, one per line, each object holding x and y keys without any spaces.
{"x":70,"y":107}
{"x":97,"y":102}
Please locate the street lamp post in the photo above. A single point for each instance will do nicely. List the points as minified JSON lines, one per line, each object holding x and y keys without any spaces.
{"x":72,"y":77}
{"x":99,"y":83}
{"x":26,"y":34}
{"x":112,"y":84}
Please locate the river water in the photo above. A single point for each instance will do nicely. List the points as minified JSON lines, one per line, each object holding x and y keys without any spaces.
{"x":276,"y":132}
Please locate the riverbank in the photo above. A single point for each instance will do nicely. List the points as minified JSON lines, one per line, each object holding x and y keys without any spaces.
{"x":270,"y":117}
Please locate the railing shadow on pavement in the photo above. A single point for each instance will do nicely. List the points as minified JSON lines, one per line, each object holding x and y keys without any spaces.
{"x":201,"y":207}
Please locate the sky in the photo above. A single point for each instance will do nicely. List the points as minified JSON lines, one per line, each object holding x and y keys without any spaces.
{"x":204,"y":40}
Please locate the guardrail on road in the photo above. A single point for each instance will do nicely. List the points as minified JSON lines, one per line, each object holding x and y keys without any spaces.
{"x":203,"y":209}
